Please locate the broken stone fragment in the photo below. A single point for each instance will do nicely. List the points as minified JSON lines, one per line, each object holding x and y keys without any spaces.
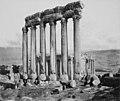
{"x":95,"y":81}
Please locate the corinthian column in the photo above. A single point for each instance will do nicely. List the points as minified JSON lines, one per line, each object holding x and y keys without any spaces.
{"x":43,"y":46}
{"x":64,"y":45}
{"x":77,"y":49}
{"x":25,"y":49}
{"x":53,"y":46}
{"x":33,"y":49}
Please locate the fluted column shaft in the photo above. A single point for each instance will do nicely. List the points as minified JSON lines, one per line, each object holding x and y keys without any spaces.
{"x":43,"y":46}
{"x":25,"y":50}
{"x":64,"y":45}
{"x":77,"y":44}
{"x":60,"y":67}
{"x":71,"y":71}
{"x":33,"y":49}
{"x":53,"y":46}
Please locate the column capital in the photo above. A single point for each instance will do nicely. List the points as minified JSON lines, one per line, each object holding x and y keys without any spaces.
{"x":25,"y":29}
{"x":42,"y":24}
{"x":52,"y":22}
{"x":76,"y":17}
{"x":33,"y":27}
{"x":63,"y":20}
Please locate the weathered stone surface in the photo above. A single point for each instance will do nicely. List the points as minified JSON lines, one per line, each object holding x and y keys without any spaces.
{"x":73,"y":83}
{"x":55,"y":13}
{"x":42,"y":77}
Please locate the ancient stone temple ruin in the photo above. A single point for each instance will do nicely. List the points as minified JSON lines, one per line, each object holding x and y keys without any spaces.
{"x":49,"y":66}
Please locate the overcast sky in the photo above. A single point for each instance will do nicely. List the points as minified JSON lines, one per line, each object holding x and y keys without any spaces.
{"x":100,"y":23}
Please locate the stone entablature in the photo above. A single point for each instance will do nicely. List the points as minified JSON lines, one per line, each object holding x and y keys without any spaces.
{"x":55,"y":14}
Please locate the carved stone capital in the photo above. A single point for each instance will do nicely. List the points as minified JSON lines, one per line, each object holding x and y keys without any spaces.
{"x":33,"y":27}
{"x":63,"y":20}
{"x":25,"y":29}
{"x":42,"y":24}
{"x":52,"y":22}
{"x":76,"y":17}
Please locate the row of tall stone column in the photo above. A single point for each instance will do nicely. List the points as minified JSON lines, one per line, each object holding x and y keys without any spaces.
{"x":64,"y":46}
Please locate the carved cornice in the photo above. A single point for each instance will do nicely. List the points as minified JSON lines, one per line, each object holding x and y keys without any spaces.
{"x":56,"y":13}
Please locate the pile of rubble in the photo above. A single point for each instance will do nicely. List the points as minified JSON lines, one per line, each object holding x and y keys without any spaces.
{"x":22,"y":87}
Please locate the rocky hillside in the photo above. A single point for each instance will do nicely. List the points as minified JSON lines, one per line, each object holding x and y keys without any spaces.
{"x":106,"y":59}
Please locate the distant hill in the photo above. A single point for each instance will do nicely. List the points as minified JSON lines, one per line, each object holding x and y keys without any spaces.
{"x":10,"y":55}
{"x":104,"y":59}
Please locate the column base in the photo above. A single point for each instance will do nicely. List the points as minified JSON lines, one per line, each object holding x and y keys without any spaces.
{"x":64,"y":78}
{"x":42,"y":77}
{"x":53,"y":77}
{"x":77,"y":76}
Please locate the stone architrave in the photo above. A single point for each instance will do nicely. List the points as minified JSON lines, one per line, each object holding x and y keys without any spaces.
{"x":42,"y":46}
{"x":53,"y":46}
{"x":25,"y":50}
{"x":33,"y":49}
{"x":64,"y":45}
{"x":77,"y":44}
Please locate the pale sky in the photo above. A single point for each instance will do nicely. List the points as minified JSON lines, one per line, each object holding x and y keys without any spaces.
{"x":100,"y":23}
